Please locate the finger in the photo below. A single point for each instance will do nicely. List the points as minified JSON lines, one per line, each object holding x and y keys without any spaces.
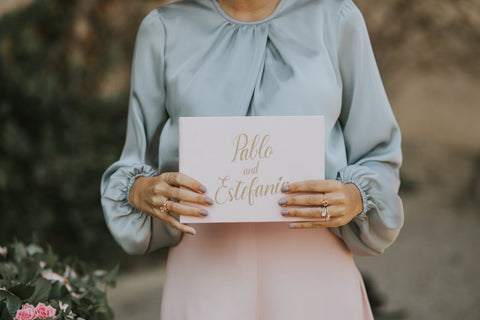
{"x":316,"y":199}
{"x":312,"y":186}
{"x":309,"y":225}
{"x":173,"y":222}
{"x":178,"y":179}
{"x":187,"y":195}
{"x":326,"y":223}
{"x":310,"y":212}
{"x":186,"y":210}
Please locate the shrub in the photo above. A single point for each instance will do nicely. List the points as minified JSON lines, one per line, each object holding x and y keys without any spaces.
{"x":35,"y":283}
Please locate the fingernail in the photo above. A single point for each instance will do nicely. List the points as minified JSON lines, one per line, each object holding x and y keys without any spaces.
{"x":282,"y":202}
{"x":209,"y":201}
{"x":204,"y":213}
{"x":191,"y":232}
{"x":284,"y":212}
{"x":292,"y":226}
{"x":285,"y":188}
{"x":203,"y":189}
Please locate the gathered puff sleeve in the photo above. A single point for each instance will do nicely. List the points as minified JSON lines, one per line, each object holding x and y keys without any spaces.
{"x":372,"y":140}
{"x":134,"y":231}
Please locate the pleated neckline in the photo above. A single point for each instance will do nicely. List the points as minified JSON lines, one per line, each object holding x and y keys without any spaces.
{"x":235,"y":21}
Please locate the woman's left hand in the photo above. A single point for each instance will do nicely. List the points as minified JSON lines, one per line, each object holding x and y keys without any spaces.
{"x":335,"y":203}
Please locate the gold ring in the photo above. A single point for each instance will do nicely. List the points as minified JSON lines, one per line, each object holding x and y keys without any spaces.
{"x":324,"y":202}
{"x":163,"y":208}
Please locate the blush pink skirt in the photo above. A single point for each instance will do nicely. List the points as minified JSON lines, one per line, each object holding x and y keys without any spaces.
{"x":262,"y":271}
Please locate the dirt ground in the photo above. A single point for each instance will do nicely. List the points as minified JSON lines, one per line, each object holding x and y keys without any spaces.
{"x":431,"y":272}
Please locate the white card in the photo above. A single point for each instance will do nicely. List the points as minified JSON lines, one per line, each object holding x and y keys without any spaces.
{"x":244,"y":162}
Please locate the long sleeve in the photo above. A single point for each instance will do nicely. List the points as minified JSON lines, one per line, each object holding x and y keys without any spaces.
{"x":372,"y":140}
{"x":134,"y":231}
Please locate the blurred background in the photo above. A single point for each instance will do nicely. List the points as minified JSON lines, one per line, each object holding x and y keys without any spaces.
{"x":64,"y":81}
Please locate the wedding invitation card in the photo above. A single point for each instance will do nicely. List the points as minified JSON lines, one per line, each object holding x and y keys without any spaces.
{"x":245,"y":161}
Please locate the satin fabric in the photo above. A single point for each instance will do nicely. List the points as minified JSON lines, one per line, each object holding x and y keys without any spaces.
{"x":310,"y":57}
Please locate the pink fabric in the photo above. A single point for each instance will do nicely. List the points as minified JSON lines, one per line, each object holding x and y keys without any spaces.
{"x":262,"y":271}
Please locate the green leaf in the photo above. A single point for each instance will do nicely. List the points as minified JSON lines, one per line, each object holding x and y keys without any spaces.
{"x":20,"y":252}
{"x":111,"y":278}
{"x":58,"y":291}
{"x":27,"y":271}
{"x":42,"y":291}
{"x":99,"y":273}
{"x":22,"y":291}
{"x":8,"y":271}
{"x":12,"y":302}
{"x":103,"y":310}
{"x":51,"y":257}
{"x":33,"y":249}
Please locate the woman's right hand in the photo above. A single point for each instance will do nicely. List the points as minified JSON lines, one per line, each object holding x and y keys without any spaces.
{"x":149,"y":194}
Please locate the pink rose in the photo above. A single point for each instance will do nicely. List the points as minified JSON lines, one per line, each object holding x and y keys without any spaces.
{"x":43,"y":312}
{"x":27,"y":312}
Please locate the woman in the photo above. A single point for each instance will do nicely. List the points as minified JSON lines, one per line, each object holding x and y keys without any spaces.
{"x":258,"y":57}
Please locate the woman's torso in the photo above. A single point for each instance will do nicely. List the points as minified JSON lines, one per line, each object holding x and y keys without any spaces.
{"x":283,"y":65}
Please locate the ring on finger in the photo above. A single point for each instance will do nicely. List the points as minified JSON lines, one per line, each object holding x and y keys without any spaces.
{"x":324,"y":212}
{"x":324,"y":202}
{"x":163,"y":208}
{"x":325,"y":215}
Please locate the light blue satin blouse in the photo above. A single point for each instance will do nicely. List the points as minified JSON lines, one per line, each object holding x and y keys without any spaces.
{"x":310,"y":57}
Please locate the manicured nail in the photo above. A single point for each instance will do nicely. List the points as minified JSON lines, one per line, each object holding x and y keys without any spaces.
{"x":191,"y":232}
{"x":203,"y":189}
{"x":204,"y":212}
{"x":209,"y":201}
{"x":284,"y":212}
{"x":292,"y":226}
{"x":285,"y":188}
{"x":282,"y":202}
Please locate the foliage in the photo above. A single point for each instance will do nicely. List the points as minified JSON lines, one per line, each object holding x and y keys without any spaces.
{"x":30,"y":274}
{"x":58,"y":133}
